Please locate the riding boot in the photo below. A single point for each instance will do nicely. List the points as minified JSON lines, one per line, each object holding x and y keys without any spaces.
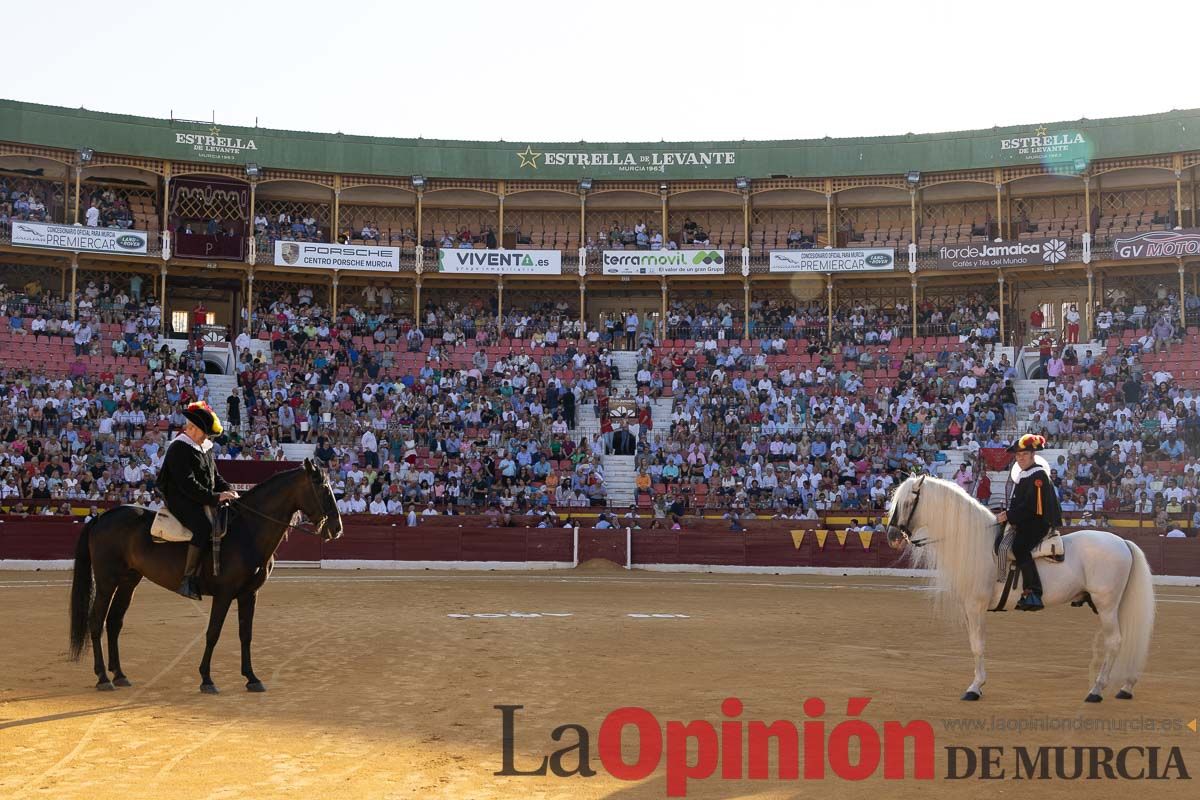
{"x":188,"y":587}
{"x":1031,"y":598}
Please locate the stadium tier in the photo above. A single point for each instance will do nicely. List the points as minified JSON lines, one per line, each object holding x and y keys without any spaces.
{"x":530,"y":330}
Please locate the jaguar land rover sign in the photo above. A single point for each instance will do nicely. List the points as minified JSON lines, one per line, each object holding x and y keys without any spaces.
{"x":79,"y":238}
{"x":834,"y":260}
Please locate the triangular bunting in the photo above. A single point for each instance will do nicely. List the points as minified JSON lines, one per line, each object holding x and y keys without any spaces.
{"x":841,"y":536}
{"x":821,"y":534}
{"x":798,"y":538}
{"x":865,"y":538}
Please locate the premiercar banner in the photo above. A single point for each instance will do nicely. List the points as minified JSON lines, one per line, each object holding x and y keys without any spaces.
{"x":79,"y":238}
{"x":664,"y":262}
{"x":371,"y":258}
{"x":833,"y":260}
{"x":500,"y":262}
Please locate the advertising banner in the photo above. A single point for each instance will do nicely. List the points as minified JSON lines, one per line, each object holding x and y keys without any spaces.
{"x":500,"y":262}
{"x":1158,"y":244}
{"x":989,"y":255}
{"x":664,"y":262}
{"x":79,"y":238}
{"x":833,"y":260}
{"x":337,"y":256}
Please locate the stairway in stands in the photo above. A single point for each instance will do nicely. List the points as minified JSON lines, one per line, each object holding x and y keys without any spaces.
{"x":219,"y":389}
{"x":619,"y":471}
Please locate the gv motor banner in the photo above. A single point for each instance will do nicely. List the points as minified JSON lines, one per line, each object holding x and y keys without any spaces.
{"x":664,"y":262}
{"x":79,"y":238}
{"x":500,"y":262}
{"x":337,"y":256}
{"x":1158,"y":244}
{"x":833,"y":260}
{"x":1002,"y":254}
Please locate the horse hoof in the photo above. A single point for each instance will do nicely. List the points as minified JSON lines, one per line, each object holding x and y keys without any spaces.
{"x":122,"y":681}
{"x":971,"y":696}
{"x":105,"y":686}
{"x":255,"y":686}
{"x":1124,"y":695}
{"x":208,"y":688}
{"x":1093,"y":698}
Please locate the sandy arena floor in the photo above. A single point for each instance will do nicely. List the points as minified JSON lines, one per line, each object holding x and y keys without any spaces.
{"x":375,"y":691}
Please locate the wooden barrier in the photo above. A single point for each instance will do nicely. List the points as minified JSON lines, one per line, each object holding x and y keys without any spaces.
{"x":468,"y":539}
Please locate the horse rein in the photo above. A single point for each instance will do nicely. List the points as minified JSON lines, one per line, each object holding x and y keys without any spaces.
{"x":318,"y":525}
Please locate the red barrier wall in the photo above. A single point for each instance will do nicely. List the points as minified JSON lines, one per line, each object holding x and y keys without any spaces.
{"x":442,"y":539}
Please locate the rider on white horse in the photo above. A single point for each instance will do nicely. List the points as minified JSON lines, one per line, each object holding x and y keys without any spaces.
{"x":1033,"y":511}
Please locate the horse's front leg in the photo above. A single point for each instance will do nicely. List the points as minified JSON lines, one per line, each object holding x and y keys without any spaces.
{"x":975,"y":632}
{"x":216,"y":619}
{"x":245,"y":633}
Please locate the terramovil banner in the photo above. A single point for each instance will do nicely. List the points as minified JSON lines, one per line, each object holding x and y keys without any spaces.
{"x":337,"y":256}
{"x":1158,"y":244}
{"x":79,"y":238}
{"x":501,"y":262}
{"x":1002,"y":254}
{"x":835,"y":260}
{"x":664,"y":262}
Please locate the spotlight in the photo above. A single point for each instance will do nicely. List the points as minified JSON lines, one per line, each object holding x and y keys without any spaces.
{"x":1081,"y":164}
{"x":252,"y":170}
{"x":585,"y":184}
{"x":662,"y":187}
{"x":742,"y":183}
{"x":913,"y":177}
{"x":418,"y":181}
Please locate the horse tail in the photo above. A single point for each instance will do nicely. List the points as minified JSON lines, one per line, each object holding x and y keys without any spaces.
{"x":81,"y":591}
{"x":1135,"y":616}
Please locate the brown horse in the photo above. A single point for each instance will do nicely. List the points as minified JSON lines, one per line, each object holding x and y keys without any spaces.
{"x":117,"y":549}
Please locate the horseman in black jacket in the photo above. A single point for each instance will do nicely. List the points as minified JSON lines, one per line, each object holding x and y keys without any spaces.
{"x":189,"y":483}
{"x":1033,"y":511}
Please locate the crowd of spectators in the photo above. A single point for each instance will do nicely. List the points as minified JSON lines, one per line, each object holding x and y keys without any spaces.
{"x":639,"y":236}
{"x":27,"y":199}
{"x":436,"y":416}
{"x":106,"y":209}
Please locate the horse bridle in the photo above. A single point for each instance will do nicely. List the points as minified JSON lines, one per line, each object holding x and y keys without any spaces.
{"x":318,"y":527}
{"x":912,"y":510}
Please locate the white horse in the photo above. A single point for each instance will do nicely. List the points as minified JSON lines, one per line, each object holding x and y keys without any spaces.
{"x":947,"y":531}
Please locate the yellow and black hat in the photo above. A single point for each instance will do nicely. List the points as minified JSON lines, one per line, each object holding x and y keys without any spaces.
{"x":1031,"y":442}
{"x":203,"y":418}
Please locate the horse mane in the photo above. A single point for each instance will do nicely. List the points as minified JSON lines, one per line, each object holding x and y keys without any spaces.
{"x":961,"y":532}
{"x":271,"y":483}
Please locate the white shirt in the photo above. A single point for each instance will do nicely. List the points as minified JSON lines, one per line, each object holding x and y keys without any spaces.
{"x":93,"y":217}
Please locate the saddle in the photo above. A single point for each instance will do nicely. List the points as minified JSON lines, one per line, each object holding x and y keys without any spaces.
{"x":1051,"y":547}
{"x":166,"y":527}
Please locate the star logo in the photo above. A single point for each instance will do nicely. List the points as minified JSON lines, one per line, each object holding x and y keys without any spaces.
{"x":1041,"y":131}
{"x":528,"y":157}
{"x":214,"y":131}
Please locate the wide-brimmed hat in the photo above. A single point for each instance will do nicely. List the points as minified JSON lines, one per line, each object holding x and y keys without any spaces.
{"x":1030,"y":442}
{"x":204,"y":418}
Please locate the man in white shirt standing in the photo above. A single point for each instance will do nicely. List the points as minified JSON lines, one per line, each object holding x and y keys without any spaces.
{"x":93,"y":215}
{"x":370,"y":448}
